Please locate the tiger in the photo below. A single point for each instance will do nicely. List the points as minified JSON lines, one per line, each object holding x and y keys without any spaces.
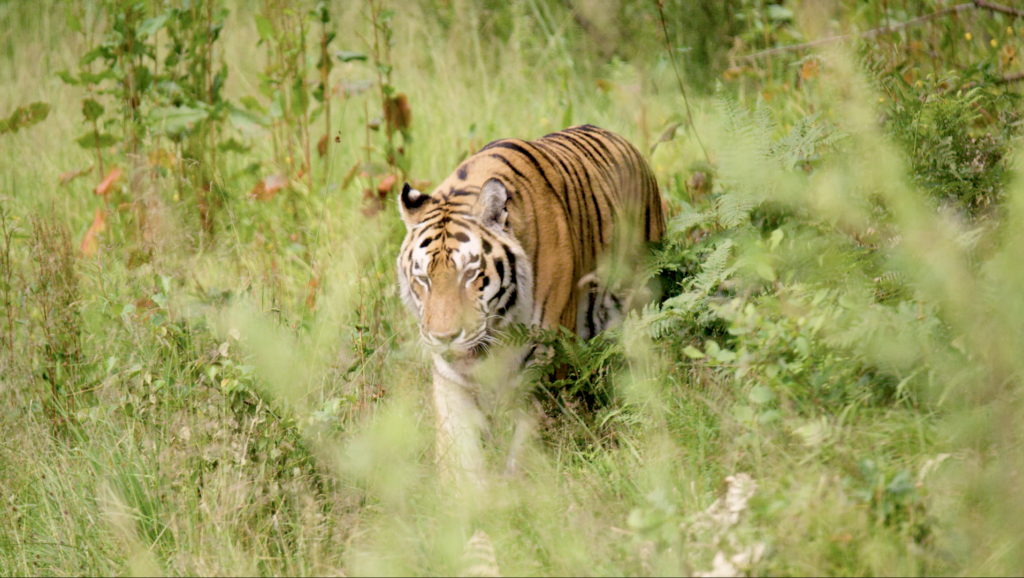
{"x":516,"y":235}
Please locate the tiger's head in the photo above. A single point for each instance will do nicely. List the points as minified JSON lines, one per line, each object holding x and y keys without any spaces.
{"x":461,"y":270}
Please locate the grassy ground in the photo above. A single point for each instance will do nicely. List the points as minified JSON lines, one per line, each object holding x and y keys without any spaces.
{"x":254,"y":400}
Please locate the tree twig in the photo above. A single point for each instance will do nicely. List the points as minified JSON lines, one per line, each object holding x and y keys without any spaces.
{"x":986,"y":5}
{"x":672,"y":57}
{"x":1015,"y":77}
{"x":1005,"y":79}
{"x":884,"y":29}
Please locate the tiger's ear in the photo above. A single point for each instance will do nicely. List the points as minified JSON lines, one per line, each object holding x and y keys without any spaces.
{"x":410,"y":202}
{"x":490,"y":205}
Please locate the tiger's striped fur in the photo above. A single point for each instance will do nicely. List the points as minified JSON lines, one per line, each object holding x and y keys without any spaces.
{"x":516,"y":234}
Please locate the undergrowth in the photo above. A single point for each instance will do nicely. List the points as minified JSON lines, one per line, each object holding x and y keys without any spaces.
{"x":206,"y":370}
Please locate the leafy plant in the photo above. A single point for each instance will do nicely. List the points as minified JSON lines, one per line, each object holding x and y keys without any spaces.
{"x":55,"y":294}
{"x":7,"y":288}
{"x":25,"y":116}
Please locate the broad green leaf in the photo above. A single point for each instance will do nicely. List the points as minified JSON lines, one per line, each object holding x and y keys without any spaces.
{"x":74,"y":22}
{"x":725,"y":355}
{"x":90,"y":78}
{"x":277,"y":105}
{"x":321,"y":12}
{"x":743,"y":414}
{"x":349,"y":56}
{"x":250,"y":103}
{"x":265,"y":28}
{"x":91,"y":56}
{"x":760,"y":395}
{"x":150,"y":26}
{"x":300,"y":98}
{"x":176,"y":119}
{"x":803,"y":347}
{"x":67,"y":77}
{"x":693,"y":352}
{"x":160,"y":299}
{"x":91,"y":109}
{"x":764,"y":270}
{"x":712,"y":347}
{"x":316,"y":114}
{"x":232,"y":145}
{"x":778,"y":13}
{"x":247,"y":120}
{"x":25,"y":116}
{"x":91,"y":140}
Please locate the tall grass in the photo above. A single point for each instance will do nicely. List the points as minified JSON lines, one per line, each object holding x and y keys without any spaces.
{"x":226,"y":422}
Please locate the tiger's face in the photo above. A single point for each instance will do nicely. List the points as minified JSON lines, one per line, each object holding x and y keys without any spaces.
{"x":460,"y":270}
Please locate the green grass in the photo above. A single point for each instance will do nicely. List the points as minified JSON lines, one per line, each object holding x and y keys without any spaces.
{"x":225,"y":425}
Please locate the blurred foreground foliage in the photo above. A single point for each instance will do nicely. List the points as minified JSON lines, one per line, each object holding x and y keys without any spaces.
{"x":205,"y":368}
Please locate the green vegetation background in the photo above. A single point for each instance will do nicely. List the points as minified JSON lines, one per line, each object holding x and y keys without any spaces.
{"x":205,"y":369}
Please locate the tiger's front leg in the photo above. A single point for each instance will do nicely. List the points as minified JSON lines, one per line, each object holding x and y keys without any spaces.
{"x":460,"y":424}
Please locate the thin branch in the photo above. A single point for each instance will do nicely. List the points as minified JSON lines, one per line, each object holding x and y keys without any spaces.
{"x":986,"y":5}
{"x":884,"y":29}
{"x":672,"y":57}
{"x":1006,"y":79}
{"x":1015,"y":77}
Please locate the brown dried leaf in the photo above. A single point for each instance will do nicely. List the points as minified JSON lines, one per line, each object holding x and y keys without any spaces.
{"x":90,"y":244}
{"x":421,"y":185}
{"x":1008,"y":55}
{"x":67,"y":177}
{"x":385,"y":186}
{"x":104,"y":187}
{"x":349,"y":88}
{"x":268,"y":188}
{"x":732,"y":73}
{"x":668,"y":134}
{"x":311,"y":292}
{"x":321,"y":147}
{"x":371,"y":203}
{"x":397,"y":111}
{"x":351,"y":174}
{"x":163,"y":158}
{"x":144,"y":308}
{"x":809,"y":69}
{"x":145,"y":304}
{"x":698,"y":185}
